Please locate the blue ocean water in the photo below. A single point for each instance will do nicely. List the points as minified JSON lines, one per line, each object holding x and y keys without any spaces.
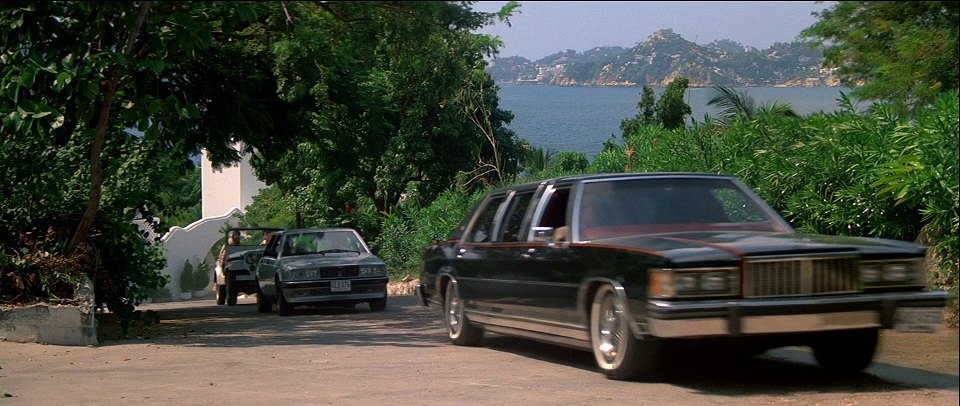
{"x":580,"y":119}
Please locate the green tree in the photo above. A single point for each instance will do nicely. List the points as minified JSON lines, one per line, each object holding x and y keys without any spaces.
{"x":738,"y":104}
{"x":100,"y":113}
{"x":536,"y":159}
{"x":66,"y":77}
{"x":178,"y":200}
{"x":396,"y":108}
{"x":646,"y":113}
{"x":891,"y":50}
{"x":672,"y":109}
{"x":571,"y":162}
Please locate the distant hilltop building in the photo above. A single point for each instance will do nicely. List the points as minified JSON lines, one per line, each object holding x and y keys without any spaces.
{"x":544,"y":75}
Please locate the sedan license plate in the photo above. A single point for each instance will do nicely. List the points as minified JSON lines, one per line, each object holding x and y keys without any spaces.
{"x":339,"y":286}
{"x":918,"y":319}
{"x":244,"y":277}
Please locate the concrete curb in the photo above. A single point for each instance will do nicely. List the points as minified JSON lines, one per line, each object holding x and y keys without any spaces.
{"x":42,"y":323}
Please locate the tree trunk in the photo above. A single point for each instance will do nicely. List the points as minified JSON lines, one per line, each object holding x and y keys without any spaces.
{"x":103,"y":121}
{"x":96,"y":169}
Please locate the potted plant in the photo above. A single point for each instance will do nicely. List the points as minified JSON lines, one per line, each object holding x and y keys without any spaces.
{"x":186,"y":280}
{"x":159,"y":295}
{"x":201,"y":278}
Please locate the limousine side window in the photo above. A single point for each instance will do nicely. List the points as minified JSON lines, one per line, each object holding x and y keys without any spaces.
{"x":518,"y":208}
{"x":554,"y":215}
{"x":483,"y":227}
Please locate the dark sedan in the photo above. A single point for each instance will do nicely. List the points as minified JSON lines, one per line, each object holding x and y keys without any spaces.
{"x":622,"y":264}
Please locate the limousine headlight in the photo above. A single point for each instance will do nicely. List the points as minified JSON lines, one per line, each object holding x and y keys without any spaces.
{"x":694,"y":282}
{"x":373,"y":270}
{"x":886,"y":273}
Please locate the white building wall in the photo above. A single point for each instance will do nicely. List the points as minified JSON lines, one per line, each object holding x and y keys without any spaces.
{"x":228,"y":187}
{"x":250,"y":185}
{"x":225,"y":195}
{"x":193,"y":243}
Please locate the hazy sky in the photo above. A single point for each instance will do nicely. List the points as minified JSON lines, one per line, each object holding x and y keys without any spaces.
{"x":545,"y":27}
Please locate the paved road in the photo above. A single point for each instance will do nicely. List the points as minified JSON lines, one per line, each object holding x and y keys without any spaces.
{"x":203,"y":354}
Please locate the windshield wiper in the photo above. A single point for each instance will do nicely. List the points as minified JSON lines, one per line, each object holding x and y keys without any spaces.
{"x":335,"y":250}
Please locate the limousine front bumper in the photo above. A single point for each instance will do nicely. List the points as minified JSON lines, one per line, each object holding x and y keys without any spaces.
{"x":904,"y":311}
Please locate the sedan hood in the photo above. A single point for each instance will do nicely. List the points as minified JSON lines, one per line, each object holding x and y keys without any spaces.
{"x":336,"y":259}
{"x":687,"y":247}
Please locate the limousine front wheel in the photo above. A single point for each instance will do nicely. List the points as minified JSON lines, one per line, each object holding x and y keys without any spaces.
{"x":459,"y":329}
{"x":617,"y":352}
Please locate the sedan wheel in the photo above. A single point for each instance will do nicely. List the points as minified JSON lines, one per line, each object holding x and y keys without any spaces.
{"x":378,"y":305}
{"x":459,"y":329}
{"x":618,"y":354}
{"x":283,"y":308}
{"x":264,"y":305}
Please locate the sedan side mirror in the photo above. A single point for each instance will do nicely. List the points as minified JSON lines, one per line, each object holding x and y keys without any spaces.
{"x":375,"y":249}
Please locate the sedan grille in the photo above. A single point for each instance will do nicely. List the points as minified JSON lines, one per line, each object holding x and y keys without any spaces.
{"x":803,"y":276}
{"x":348,"y":271}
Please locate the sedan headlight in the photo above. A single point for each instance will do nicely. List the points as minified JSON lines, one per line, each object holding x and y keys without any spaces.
{"x":694,"y":282}
{"x":887,"y":273}
{"x":373,"y":270}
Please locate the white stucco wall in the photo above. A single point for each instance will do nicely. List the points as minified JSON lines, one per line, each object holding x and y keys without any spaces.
{"x":225,"y":194}
{"x":193,"y":243}
{"x":228,"y":187}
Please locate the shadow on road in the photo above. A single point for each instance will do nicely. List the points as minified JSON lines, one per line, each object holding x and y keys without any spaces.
{"x":783,"y":371}
{"x":202,"y":323}
{"x":407,"y":324}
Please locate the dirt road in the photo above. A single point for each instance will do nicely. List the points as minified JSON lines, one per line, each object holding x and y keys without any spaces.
{"x":203,"y":354}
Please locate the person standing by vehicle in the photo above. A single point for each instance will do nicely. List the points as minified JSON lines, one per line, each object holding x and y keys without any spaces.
{"x":232,"y":239}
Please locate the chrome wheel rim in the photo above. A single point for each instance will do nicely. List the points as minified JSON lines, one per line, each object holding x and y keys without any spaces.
{"x":453,"y":312}
{"x":609,"y":334}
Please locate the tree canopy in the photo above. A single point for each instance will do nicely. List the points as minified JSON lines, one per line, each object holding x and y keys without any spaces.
{"x":341,"y":102}
{"x":892,"y":50}
{"x":397,"y":107}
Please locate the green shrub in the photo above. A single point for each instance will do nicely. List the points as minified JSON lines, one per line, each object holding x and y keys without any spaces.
{"x":187,"y":277}
{"x":408,"y":231}
{"x":201,"y":276}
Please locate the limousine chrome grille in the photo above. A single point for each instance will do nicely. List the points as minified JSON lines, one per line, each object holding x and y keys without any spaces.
{"x":800,"y":276}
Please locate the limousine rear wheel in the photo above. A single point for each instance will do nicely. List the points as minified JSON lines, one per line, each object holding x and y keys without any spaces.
{"x":459,"y":329}
{"x":618,"y":354}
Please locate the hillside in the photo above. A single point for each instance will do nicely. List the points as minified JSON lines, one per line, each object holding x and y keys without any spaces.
{"x":665,"y":56}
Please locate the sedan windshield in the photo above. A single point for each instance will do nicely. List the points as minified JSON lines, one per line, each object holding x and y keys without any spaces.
{"x":646,"y":206}
{"x":323,"y":242}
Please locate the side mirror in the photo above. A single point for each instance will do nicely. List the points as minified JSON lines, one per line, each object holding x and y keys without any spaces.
{"x":375,"y":249}
{"x":543,"y":234}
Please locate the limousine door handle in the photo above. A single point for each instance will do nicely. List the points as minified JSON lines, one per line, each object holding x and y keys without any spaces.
{"x":530,"y":252}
